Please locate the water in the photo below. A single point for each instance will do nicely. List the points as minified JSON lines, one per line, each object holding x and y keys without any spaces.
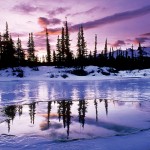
{"x":73,"y":110}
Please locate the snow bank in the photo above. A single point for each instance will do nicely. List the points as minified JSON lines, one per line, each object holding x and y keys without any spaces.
{"x":53,"y":73}
{"x":139,"y":141}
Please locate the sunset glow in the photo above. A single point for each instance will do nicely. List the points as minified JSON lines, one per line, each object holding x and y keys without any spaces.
{"x":122,"y":22}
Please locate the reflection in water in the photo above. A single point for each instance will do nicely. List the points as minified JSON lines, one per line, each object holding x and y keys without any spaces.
{"x":70,"y":114}
{"x":74,"y":109}
{"x":30,"y":91}
{"x":64,"y":113}
{"x":96,"y":110}
{"x":32,"y":109}
{"x":82,"y":111}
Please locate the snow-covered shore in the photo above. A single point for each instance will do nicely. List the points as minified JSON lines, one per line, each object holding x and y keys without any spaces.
{"x":53,"y":73}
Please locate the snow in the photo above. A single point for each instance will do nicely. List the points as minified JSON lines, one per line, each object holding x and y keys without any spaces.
{"x":139,"y":141}
{"x":129,"y":90}
{"x":53,"y":73}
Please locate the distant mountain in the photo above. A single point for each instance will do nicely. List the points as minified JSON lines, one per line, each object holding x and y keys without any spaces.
{"x":146,"y":52}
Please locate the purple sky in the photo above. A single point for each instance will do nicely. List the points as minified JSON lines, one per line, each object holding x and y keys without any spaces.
{"x":122,"y":22}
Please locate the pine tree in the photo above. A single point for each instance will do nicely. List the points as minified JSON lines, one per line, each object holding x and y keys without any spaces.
{"x":63,"y":45}
{"x":132,"y":52}
{"x":58,"y":49}
{"x":0,"y":47}
{"x":126,"y":54}
{"x":31,"y":48}
{"x":48,"y":48}
{"x":67,"y":44}
{"x":90,"y":56}
{"x":95,"y":50}
{"x":83,"y":44}
{"x":6,"y":35}
{"x":105,"y":49}
{"x":79,"y":50}
{"x":140,"y":51}
{"x":112,"y":53}
{"x":7,"y":49}
{"x":54,"y":57}
{"x":20,"y":53}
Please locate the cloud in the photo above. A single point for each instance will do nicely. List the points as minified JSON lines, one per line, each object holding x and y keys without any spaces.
{"x":14,"y":34}
{"x":55,"y":31}
{"x":54,"y":21}
{"x":85,"y":12}
{"x":114,"y":18}
{"x":44,"y":22}
{"x":118,"y":43}
{"x":25,"y":8}
{"x":145,"y":34}
{"x":140,"y":40}
{"x":57,"y":11}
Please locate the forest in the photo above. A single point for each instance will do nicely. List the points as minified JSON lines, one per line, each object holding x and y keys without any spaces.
{"x":13,"y":55}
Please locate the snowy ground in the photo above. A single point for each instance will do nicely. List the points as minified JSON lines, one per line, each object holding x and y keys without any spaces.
{"x":53,"y":73}
{"x":130,"y":91}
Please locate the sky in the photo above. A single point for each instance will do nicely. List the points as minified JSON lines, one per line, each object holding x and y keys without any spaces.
{"x":122,"y":22}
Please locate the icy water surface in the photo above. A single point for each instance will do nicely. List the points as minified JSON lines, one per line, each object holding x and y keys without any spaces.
{"x":73,"y":110}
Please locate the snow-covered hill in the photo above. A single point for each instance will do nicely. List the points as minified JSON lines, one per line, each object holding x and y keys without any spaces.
{"x":146,"y":52}
{"x":53,"y":73}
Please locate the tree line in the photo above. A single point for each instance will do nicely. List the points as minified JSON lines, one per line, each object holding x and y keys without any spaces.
{"x":12,"y":55}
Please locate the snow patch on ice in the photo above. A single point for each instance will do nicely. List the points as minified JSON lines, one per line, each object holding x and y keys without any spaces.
{"x":54,"y":73}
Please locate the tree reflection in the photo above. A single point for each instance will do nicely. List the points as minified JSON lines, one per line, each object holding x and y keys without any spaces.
{"x":64,"y":110}
{"x":96,"y":109}
{"x":49,"y":107}
{"x":64,"y":113}
{"x":10,"y":112}
{"x":106,"y":106}
{"x":82,"y":111}
{"x":32,"y":109}
{"x":20,"y":110}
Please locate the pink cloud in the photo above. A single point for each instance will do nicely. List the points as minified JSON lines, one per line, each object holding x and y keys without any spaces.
{"x":44,"y":22}
{"x":57,"y":11}
{"x":25,"y":8}
{"x":55,"y":31}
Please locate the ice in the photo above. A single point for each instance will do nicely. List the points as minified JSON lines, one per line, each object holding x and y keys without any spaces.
{"x":117,"y":110}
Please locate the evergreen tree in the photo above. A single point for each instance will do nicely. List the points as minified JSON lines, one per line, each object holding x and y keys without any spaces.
{"x":140,"y":51}
{"x":90,"y":56}
{"x":54,"y":57}
{"x":7,"y":49}
{"x":81,"y":45}
{"x":67,"y":44}
{"x":31,"y":48}
{"x":20,"y":53}
{"x":58,"y":49}
{"x":95,"y":50}
{"x":105,"y":49}
{"x":112,"y":53}
{"x":48,"y":48}
{"x":79,"y":50}
{"x":132,"y":52}
{"x":63,"y":45}
{"x":0,"y":47}
{"x":6,"y":35}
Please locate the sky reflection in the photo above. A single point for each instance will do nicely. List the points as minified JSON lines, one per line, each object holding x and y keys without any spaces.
{"x":74,"y":119}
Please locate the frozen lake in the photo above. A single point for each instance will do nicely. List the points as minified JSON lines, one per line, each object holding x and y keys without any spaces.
{"x":49,"y":113}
